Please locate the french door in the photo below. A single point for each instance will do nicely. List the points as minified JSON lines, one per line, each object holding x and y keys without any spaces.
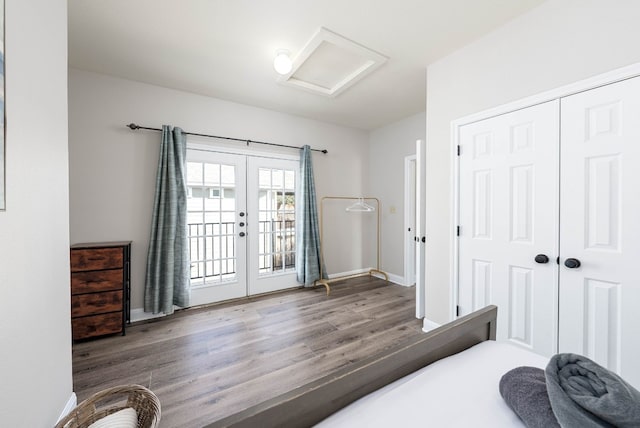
{"x":241,"y":224}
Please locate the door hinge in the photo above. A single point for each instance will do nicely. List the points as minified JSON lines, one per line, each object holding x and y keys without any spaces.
{"x":458,"y":149}
{"x":457,"y":230}
{"x":457,"y":310}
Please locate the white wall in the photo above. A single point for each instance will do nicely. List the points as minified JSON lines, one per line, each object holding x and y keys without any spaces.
{"x":388,"y":146}
{"x":35,"y":328}
{"x":557,"y":43}
{"x":112,"y":169}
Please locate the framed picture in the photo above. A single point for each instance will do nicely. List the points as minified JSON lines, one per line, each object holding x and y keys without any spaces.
{"x":2,"y":111}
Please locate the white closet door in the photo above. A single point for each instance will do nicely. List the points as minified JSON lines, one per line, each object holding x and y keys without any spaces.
{"x":508,"y":216}
{"x":600,"y":212}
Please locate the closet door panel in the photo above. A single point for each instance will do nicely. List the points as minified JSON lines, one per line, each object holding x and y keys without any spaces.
{"x":600,"y":212}
{"x":508,"y":215}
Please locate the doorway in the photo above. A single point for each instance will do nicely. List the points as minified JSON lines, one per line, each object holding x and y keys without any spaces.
{"x":241,"y":224}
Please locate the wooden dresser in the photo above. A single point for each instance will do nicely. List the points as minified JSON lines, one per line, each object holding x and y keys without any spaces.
{"x":100,"y":292}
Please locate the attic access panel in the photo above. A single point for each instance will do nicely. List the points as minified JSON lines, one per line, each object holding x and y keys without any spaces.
{"x":330,"y":63}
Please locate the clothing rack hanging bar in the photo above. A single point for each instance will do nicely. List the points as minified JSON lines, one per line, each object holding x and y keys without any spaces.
{"x":134,"y":127}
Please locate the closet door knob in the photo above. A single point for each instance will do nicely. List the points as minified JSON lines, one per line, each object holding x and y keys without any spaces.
{"x":542,"y":259}
{"x":241,"y":234}
{"x":572,"y":263}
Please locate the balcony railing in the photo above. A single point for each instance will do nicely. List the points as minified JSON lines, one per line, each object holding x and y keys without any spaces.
{"x":213,"y":254}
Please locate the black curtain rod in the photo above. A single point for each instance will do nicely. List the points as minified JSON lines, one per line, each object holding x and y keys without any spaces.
{"x":133,"y":126}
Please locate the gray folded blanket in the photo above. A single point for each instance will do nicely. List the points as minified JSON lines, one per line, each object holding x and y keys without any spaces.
{"x":525,"y":392}
{"x":584,"y":394}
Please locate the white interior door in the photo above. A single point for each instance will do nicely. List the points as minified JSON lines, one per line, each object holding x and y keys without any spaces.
{"x":508,"y":216}
{"x":410,"y":220}
{"x":600,"y":211}
{"x":216,"y":207}
{"x":420,"y":252}
{"x":241,"y":225}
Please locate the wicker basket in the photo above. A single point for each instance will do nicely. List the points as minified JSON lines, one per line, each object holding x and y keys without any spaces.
{"x":111,"y":400}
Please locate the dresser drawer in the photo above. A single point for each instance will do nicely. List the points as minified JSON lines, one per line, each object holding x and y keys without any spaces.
{"x":96,"y":259}
{"x":102,"y":280}
{"x":96,"y":303}
{"x":96,"y":325}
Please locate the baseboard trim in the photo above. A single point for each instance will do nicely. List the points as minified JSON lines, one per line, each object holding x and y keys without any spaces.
{"x":348,"y":273}
{"x":428,"y":325}
{"x":72,"y":402}
{"x":397,"y":279}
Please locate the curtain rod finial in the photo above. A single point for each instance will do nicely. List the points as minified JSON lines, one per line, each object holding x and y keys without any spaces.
{"x":133,"y":126}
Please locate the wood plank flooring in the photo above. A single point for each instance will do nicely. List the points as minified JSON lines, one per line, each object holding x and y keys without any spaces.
{"x":207,"y":363}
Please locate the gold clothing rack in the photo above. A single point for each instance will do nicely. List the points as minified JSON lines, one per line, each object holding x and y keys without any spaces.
{"x":359,"y":200}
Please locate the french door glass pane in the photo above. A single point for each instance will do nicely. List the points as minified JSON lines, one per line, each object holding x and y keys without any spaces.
{"x":276,"y":217}
{"x":211,"y":208}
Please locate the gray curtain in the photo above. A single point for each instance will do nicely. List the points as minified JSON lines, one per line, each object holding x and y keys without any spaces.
{"x":308,"y":263}
{"x":168,"y":267}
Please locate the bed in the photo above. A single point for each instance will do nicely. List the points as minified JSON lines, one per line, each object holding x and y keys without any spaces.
{"x":462,"y":365}
{"x":457,"y":391}
{"x":455,"y":376}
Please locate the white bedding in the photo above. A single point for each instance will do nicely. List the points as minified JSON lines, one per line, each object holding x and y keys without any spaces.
{"x":458,"y":391}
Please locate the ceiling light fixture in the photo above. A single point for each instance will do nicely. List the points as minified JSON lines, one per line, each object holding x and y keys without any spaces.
{"x":282,"y":63}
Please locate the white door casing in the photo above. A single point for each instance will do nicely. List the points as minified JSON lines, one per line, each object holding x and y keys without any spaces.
{"x":508,"y":205}
{"x":600,"y":210}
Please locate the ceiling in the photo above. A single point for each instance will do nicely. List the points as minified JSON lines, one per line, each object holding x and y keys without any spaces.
{"x":225,"y":48}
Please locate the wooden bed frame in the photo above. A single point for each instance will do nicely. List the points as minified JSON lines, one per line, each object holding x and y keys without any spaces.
{"x":313,"y":402}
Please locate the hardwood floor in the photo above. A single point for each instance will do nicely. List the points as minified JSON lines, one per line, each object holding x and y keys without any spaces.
{"x":207,"y":363}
